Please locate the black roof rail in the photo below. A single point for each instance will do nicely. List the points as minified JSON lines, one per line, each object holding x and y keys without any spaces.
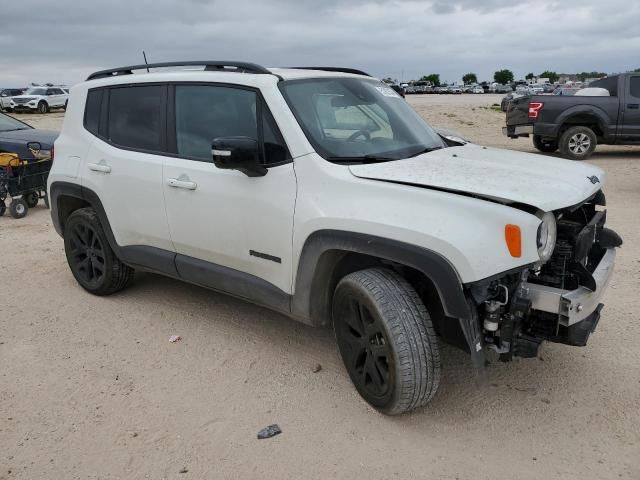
{"x":335,"y":69}
{"x":209,"y":65}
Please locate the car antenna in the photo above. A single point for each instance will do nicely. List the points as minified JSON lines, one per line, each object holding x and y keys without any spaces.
{"x":145,"y":60}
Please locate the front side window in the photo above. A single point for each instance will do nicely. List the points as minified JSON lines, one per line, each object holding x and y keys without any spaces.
{"x":135,"y":117}
{"x":353,"y":119}
{"x":206,"y":112}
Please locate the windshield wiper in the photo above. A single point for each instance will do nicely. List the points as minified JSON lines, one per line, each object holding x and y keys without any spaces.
{"x":424,"y":150}
{"x":368,"y":158}
{"x":14,"y":129}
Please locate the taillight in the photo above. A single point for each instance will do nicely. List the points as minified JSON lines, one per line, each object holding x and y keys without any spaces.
{"x":534,"y":109}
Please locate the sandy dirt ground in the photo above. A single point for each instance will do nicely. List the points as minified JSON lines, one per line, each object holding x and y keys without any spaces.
{"x":90,"y":388}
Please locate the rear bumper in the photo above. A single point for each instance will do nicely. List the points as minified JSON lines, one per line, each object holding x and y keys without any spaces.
{"x":514,"y":131}
{"x":574,"y":306}
{"x":543,"y":129}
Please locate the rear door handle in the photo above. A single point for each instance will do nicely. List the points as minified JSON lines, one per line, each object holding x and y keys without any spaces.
{"x":99,"y":167}
{"x":633,"y":105}
{"x":182,"y":182}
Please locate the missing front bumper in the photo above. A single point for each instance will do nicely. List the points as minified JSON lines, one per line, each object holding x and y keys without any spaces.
{"x":573,"y":306}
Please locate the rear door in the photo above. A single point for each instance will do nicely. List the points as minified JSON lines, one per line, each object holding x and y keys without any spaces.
{"x":223,"y":220}
{"x":124,"y":164}
{"x":630,"y":128}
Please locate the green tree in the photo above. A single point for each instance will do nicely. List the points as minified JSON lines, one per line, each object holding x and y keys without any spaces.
{"x":529,"y":76}
{"x":552,"y":76}
{"x":584,"y":75}
{"x":390,"y":80}
{"x":637,"y":70}
{"x":503,"y":76}
{"x":468,"y":78}
{"x":434,"y":78}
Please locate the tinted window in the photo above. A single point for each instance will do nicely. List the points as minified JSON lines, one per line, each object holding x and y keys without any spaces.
{"x":92,"y":111}
{"x":609,"y":83}
{"x":207,"y":112}
{"x":135,"y":117}
{"x":275,"y":149}
{"x":634,"y":84}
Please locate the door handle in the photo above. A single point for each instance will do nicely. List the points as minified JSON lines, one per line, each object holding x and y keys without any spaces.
{"x":99,"y":167}
{"x":633,"y":105}
{"x":182,"y":183}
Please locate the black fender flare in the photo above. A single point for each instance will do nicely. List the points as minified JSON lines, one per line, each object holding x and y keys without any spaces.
{"x":599,"y":114}
{"x":318,"y":256}
{"x":137,"y":257}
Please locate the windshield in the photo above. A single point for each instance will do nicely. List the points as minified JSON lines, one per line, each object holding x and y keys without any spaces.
{"x":352,"y":119}
{"x":36,"y":91}
{"x":7,"y":124}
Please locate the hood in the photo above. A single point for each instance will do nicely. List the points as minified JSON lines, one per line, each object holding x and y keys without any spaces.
{"x":506,"y":176}
{"x":45,"y":137}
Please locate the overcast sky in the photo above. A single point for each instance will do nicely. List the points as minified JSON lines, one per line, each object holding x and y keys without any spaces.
{"x":65,"y":40}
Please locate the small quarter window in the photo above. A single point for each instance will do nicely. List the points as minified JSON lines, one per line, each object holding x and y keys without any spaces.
{"x":92,"y":111}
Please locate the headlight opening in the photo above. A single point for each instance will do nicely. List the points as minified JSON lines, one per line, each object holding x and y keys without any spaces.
{"x":547,"y":233}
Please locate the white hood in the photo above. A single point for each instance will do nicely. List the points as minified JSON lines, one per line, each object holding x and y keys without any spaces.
{"x":541,"y":181}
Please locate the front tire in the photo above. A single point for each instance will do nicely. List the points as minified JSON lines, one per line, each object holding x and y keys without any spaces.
{"x":43,"y":107}
{"x":93,"y":263}
{"x":545,"y":145}
{"x":386,"y":340}
{"x":578,"y":143}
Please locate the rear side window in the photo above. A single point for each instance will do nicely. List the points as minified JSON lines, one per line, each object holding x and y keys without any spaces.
{"x":135,"y":117}
{"x":634,"y":87}
{"x":92,"y":111}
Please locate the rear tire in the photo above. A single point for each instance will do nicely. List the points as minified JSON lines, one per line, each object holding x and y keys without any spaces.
{"x":578,"y":143}
{"x":545,"y":145}
{"x":386,"y":340}
{"x":18,"y":208}
{"x":93,"y":263}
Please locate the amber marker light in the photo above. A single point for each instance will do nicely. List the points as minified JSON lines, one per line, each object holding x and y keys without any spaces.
{"x":513,"y":237}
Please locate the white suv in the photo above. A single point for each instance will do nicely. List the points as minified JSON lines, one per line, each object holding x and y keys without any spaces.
{"x":321,"y":194}
{"x":40,"y":99}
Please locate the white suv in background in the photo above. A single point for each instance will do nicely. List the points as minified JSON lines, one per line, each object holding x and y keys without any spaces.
{"x":321,"y":194}
{"x":40,"y":99}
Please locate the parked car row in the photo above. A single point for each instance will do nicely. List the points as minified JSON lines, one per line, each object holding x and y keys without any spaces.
{"x":444,"y":89}
{"x":39,"y":99}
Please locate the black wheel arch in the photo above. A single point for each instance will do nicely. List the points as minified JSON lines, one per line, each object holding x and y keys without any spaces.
{"x":587,"y":116}
{"x":329,"y":255}
{"x":67,"y":197}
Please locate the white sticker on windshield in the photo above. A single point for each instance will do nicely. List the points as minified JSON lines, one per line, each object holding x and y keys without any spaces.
{"x":387,"y":91}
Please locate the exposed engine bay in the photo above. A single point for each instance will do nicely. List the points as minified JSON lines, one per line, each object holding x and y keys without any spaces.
{"x":556,"y":300}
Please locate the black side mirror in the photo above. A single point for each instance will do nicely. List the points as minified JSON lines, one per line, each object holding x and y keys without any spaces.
{"x":238,"y":153}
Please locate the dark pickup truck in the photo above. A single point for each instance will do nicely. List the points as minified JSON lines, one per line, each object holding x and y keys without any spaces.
{"x":576,"y":124}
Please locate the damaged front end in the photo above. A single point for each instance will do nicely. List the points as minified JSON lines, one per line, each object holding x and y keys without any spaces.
{"x":558,"y":300}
